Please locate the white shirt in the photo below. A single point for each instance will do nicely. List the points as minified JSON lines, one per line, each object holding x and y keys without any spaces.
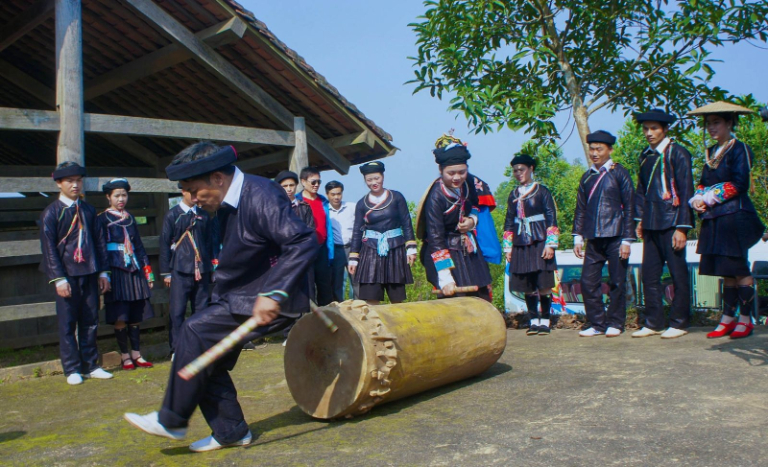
{"x":343,"y":222}
{"x":186,"y":208}
{"x":607,"y":166}
{"x":662,"y":146}
{"x":68,"y":202}
{"x":232,"y":197}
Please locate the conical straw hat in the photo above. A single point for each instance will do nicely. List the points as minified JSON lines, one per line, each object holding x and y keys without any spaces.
{"x":721,"y":108}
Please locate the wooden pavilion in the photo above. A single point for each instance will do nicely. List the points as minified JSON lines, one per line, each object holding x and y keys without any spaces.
{"x":120,"y":86}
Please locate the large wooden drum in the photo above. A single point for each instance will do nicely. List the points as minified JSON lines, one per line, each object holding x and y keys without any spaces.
{"x":381,"y":353}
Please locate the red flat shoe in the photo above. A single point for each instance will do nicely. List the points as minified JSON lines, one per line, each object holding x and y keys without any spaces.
{"x":747,"y":332}
{"x":727,"y":329}
{"x":128,"y":364}
{"x":141,"y":363}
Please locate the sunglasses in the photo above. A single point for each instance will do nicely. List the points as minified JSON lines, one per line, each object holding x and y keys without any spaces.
{"x":315,"y":182}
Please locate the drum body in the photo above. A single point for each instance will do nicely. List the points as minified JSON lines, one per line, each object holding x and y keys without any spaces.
{"x":382,"y":353}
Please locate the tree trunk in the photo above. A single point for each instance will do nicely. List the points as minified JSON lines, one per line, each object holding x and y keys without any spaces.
{"x":581,"y":117}
{"x":552,"y":40}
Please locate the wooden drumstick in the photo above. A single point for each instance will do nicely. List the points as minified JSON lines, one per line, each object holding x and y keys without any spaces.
{"x":235,"y":337}
{"x":217,"y":351}
{"x":323,"y":317}
{"x":466,"y":289}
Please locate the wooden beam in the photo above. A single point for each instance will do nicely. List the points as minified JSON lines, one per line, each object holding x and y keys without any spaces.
{"x":44,"y":94}
{"x":18,"y":253}
{"x":27,"y":83}
{"x":116,"y":124}
{"x":133,"y":148}
{"x":216,"y":36}
{"x":299,"y":154}
{"x":363,"y":137}
{"x":280,"y":157}
{"x":28,"y":20}
{"x":46,"y":120}
{"x":27,"y":119}
{"x":69,"y":81}
{"x":234,"y":78}
{"x":92,"y":184}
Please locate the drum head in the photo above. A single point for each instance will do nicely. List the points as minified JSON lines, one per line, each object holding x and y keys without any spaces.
{"x":326,"y":372}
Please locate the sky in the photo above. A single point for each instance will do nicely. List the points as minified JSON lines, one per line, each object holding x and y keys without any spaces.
{"x":362,"y":48}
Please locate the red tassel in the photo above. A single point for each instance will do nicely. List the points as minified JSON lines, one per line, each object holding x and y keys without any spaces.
{"x":666,"y":196}
{"x":79,"y":256}
{"x":198,"y":276}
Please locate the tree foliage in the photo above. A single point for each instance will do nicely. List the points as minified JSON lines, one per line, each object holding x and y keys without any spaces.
{"x":516,"y":64}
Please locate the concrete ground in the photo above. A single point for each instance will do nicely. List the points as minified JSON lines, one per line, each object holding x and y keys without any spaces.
{"x":556,"y":400}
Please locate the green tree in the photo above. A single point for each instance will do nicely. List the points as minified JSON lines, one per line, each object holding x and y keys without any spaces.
{"x":517,"y":64}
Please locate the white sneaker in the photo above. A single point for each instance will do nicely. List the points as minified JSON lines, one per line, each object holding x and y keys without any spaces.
{"x":149,"y":423}
{"x":612,"y":332}
{"x":74,"y":379}
{"x":591,"y":332}
{"x":673,"y":333}
{"x":285,"y":342}
{"x":210,"y":444}
{"x":645,"y":332}
{"x":99,"y":373}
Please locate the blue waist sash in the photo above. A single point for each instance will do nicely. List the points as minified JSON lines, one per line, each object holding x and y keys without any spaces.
{"x":383,"y":244}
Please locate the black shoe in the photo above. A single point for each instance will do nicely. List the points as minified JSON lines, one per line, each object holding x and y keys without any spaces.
{"x":543,"y":330}
{"x":249,"y":346}
{"x":533,"y":330}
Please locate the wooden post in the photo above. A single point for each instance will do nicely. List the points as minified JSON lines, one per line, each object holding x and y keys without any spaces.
{"x":69,"y":81}
{"x":299,"y":155}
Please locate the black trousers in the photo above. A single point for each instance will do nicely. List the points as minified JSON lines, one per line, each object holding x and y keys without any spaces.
{"x":338,"y":270}
{"x":212,"y":389}
{"x":657,"y":250}
{"x":598,"y":251}
{"x":323,"y":283}
{"x":79,"y":312}
{"x":185,"y":289}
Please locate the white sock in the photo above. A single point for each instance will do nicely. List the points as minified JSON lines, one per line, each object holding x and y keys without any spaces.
{"x":743,"y":321}
{"x":544,"y":322}
{"x":534,"y":322}
{"x":725,"y":319}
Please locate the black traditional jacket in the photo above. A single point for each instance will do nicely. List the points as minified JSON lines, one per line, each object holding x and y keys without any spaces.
{"x":60,"y":238}
{"x":729,"y":182}
{"x":441,"y":215}
{"x":262,"y":226}
{"x":539,"y":218}
{"x":604,"y":209}
{"x":662,"y":203}
{"x":177,"y":251}
{"x":114,"y":233}
{"x":391,"y":215}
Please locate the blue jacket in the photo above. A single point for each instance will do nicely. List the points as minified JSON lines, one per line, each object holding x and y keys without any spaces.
{"x":328,"y":226}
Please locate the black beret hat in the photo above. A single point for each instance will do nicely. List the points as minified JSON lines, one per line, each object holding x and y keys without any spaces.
{"x":224,"y":157}
{"x":372,"y":168}
{"x":524,"y":159}
{"x":70,"y":171}
{"x":114,"y":184}
{"x":285,"y":174}
{"x":655,"y":115}
{"x":601,"y":136}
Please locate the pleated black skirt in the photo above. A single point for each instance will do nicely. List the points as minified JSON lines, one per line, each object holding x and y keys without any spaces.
{"x":127,"y":286}
{"x":527,"y":259}
{"x":390,"y":269}
{"x":131,"y":312}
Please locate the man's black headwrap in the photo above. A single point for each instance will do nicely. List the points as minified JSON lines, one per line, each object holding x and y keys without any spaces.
{"x":372,"y":168}
{"x":114,"y":184}
{"x":655,"y":115}
{"x":601,"y":136}
{"x":286,"y":174}
{"x":524,"y":159}
{"x":218,"y":160}
{"x":70,"y":171}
